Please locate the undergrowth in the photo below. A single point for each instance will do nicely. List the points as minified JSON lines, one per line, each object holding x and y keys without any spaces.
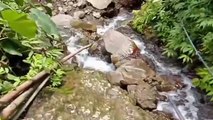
{"x":29,"y":43}
{"x":167,"y":18}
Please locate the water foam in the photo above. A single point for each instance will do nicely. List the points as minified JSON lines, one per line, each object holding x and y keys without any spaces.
{"x":84,"y":59}
{"x":187,"y":110}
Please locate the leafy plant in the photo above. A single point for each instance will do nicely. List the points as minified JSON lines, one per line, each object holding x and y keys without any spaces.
{"x":28,"y":40}
{"x":168,"y":17}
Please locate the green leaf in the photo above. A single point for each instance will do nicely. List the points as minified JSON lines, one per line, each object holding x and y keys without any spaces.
{"x":20,"y":23}
{"x":11,"y":47}
{"x":6,"y":86}
{"x":19,"y":2}
{"x":196,"y":82}
{"x":210,"y":93}
{"x":44,"y":21}
{"x":3,"y":6}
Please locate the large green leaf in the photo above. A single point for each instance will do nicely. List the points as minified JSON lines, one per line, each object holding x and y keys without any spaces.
{"x":11,"y":47}
{"x":20,"y":23}
{"x":19,"y":2}
{"x":44,"y":21}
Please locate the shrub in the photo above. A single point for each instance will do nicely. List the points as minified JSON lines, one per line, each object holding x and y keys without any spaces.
{"x":168,"y":17}
{"x":29,"y":40}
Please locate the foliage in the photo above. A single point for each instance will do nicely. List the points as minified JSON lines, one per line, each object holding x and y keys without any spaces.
{"x":29,"y":41}
{"x":167,"y":19}
{"x":205,"y":82}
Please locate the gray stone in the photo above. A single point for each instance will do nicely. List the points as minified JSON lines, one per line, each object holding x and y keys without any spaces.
{"x":78,"y":24}
{"x":115,"y":78}
{"x":118,"y":44}
{"x":79,"y":14}
{"x":146,"y":96}
{"x":96,"y":14}
{"x":100,"y":4}
{"x":81,"y":3}
{"x":135,"y":71}
{"x":60,"y":9}
{"x":62,"y":20}
{"x":70,"y":3}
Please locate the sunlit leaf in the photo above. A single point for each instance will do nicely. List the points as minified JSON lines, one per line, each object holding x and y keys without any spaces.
{"x":44,"y":21}
{"x":20,"y":23}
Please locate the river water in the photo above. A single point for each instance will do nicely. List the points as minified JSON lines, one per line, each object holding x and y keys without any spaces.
{"x":189,"y":107}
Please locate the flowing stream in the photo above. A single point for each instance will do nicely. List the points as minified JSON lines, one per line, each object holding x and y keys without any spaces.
{"x":187,"y":110}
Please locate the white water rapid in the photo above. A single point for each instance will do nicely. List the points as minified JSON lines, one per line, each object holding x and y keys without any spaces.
{"x":186,"y":111}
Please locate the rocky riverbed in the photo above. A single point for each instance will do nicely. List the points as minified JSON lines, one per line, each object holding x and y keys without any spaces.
{"x":115,"y":79}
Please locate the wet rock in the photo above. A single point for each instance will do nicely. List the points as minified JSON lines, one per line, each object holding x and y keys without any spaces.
{"x":115,"y":58}
{"x":81,"y":4}
{"x":96,"y":14}
{"x":161,"y":116}
{"x":110,"y":13}
{"x":93,"y":48}
{"x":118,"y":44}
{"x":88,"y":11}
{"x":86,"y":95}
{"x":78,"y":24}
{"x":132,"y":91}
{"x":84,"y":41}
{"x":146,"y":96}
{"x":100,"y":4}
{"x":62,"y":20}
{"x":168,"y":83}
{"x":60,"y":9}
{"x":166,"y":88}
{"x":115,"y":78}
{"x":131,"y":3}
{"x":79,"y":14}
{"x":161,"y":98}
{"x":135,"y":71}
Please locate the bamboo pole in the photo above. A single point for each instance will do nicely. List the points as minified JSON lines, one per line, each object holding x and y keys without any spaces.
{"x":10,"y":109}
{"x":13,"y":94}
{"x":38,"y":89}
{"x":26,"y":86}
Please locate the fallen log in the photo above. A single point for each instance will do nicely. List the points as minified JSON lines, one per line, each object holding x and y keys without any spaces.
{"x":13,"y":94}
{"x":72,"y":55}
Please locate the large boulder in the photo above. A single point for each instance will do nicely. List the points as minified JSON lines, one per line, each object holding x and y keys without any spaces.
{"x":131,"y":73}
{"x":145,"y":95}
{"x":118,"y":44}
{"x":86,"y":95}
{"x":100,"y":4}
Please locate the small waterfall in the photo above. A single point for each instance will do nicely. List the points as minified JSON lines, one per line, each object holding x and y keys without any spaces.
{"x":84,"y":59}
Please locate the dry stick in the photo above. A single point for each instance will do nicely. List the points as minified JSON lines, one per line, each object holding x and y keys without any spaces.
{"x":10,"y":109}
{"x":71,"y":55}
{"x":38,"y":89}
{"x":13,"y":94}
